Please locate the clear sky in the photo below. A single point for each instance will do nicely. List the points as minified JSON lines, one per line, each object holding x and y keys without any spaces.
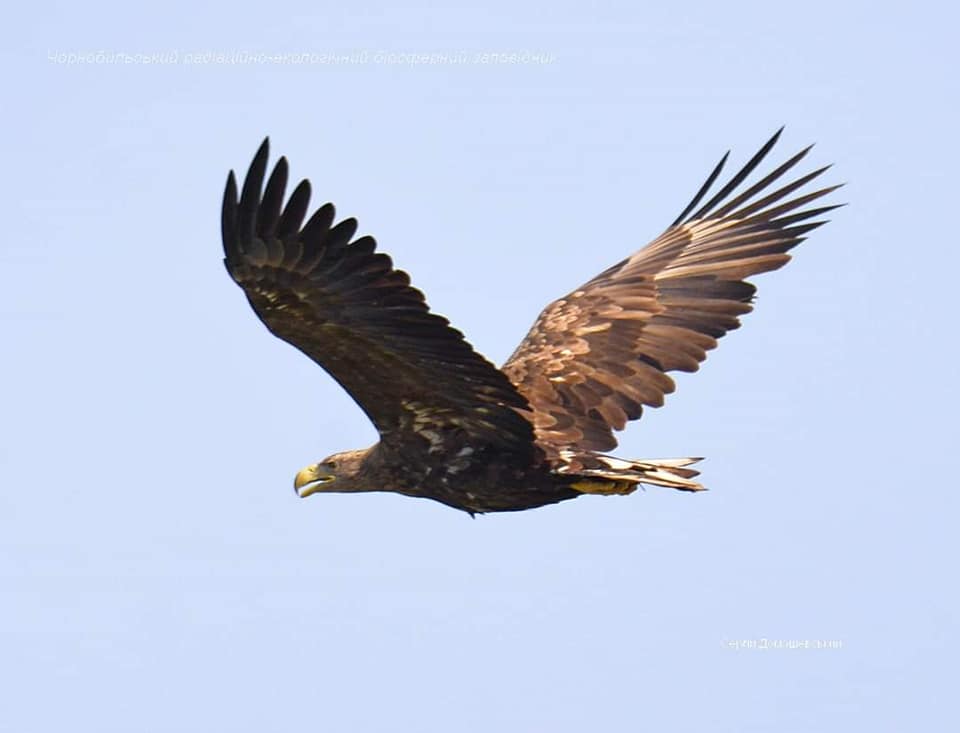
{"x":157,"y":572}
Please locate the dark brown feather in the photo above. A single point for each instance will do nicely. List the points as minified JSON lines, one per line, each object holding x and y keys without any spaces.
{"x":348,"y":309}
{"x":596,"y":356}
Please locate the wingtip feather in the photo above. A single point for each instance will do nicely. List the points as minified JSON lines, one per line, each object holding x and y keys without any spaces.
{"x":228,"y":212}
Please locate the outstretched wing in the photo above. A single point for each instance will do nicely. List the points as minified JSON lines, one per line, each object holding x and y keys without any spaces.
{"x":596,"y":356}
{"x":347,"y":308}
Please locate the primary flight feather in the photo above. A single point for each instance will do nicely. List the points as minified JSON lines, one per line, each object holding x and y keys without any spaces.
{"x":452,"y":426}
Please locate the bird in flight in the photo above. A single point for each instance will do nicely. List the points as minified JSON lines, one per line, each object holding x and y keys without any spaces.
{"x":537,"y":431}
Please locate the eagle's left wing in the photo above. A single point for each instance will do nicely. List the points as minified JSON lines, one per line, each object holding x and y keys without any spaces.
{"x":595,"y":357}
{"x":347,"y":308}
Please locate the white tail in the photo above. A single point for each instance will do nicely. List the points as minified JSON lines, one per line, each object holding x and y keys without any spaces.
{"x":596,"y":469}
{"x":669,"y":472}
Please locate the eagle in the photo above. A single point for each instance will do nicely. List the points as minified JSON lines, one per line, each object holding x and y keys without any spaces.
{"x":454,"y":428}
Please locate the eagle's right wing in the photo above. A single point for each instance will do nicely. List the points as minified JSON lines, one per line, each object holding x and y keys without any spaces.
{"x":595,"y":357}
{"x":347,"y":308}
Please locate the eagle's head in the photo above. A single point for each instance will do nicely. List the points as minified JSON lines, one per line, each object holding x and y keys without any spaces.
{"x":340,"y":473}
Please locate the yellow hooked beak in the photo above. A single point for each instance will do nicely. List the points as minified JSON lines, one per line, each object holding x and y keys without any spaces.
{"x":310,"y":480}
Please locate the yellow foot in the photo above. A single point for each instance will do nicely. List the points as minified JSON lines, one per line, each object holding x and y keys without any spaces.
{"x":588,"y":486}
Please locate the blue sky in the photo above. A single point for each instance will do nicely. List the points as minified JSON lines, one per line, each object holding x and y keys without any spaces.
{"x":156,"y":570}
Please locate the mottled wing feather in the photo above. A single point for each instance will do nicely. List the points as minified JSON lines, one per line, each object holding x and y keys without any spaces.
{"x":597,"y":356}
{"x":346,"y":307}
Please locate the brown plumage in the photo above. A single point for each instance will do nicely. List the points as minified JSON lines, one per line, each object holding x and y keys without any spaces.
{"x":452,"y":426}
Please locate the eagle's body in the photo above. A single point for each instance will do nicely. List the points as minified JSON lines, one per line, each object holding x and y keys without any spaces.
{"x":476,"y":479}
{"x":453,"y":427}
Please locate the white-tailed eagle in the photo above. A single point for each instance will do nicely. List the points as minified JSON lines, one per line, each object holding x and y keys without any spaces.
{"x":452,"y":426}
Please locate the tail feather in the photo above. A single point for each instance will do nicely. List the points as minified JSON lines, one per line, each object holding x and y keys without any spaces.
{"x":670,"y":473}
{"x":622,"y":476}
